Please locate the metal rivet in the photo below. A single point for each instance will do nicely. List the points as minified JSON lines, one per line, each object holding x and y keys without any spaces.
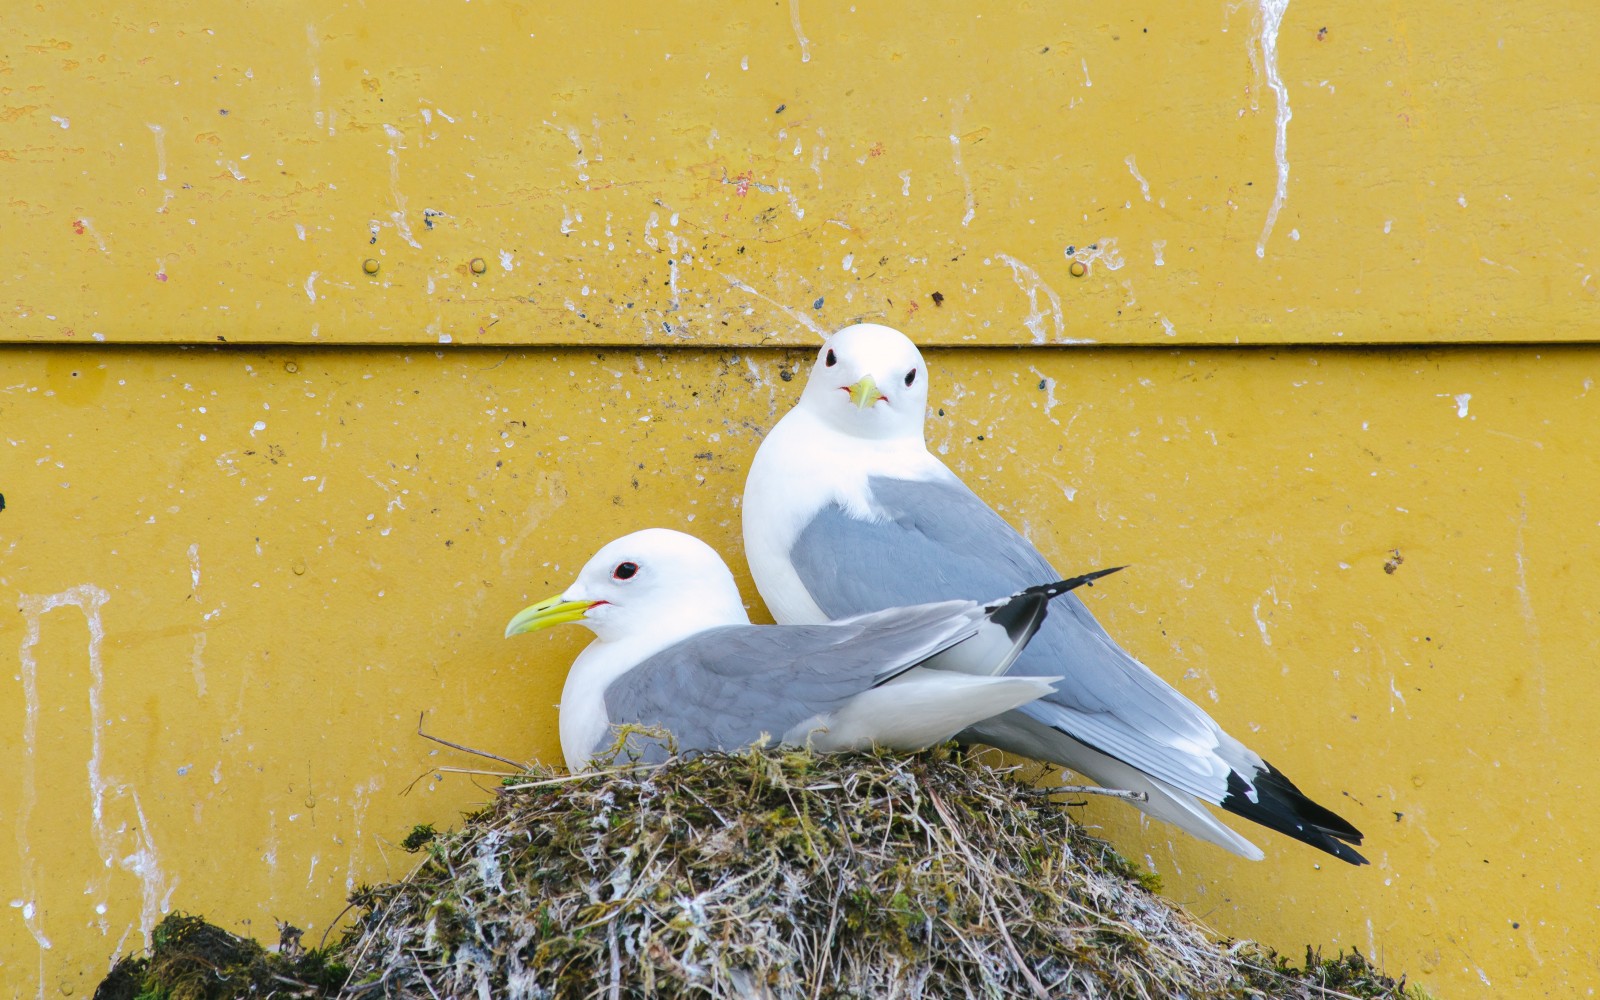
{"x":370,"y":265}
{"x":478,"y":266}
{"x":1078,"y":269}
{"x":299,"y":567}
{"x":290,"y":367}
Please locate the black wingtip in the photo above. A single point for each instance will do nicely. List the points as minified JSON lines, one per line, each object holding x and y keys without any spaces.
{"x":1072,"y":582}
{"x":1279,"y":805}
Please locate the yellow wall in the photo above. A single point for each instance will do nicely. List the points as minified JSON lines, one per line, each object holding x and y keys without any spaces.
{"x":242,"y":572}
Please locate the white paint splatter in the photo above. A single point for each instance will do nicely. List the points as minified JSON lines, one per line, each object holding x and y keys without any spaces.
{"x":311,"y":287}
{"x":396,"y":140}
{"x":1160,"y":247}
{"x":805,"y":43}
{"x":1167,"y":327}
{"x":1462,"y":400}
{"x":1086,"y":81}
{"x":1103,"y":249}
{"x":62,"y":121}
{"x":582,"y":162}
{"x":161,"y":149}
{"x":1269,"y":19}
{"x":505,"y":260}
{"x":1033,"y":286}
{"x":258,"y":427}
{"x":1133,"y":168}
{"x":1050,"y":401}
{"x":905,"y":183}
{"x":849,"y":261}
{"x":1255,"y":612}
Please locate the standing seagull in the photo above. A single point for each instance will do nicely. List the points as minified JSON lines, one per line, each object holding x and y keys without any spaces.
{"x":674,"y":649}
{"x":845,"y":511}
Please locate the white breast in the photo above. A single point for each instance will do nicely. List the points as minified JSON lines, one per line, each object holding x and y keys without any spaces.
{"x":801,"y":467}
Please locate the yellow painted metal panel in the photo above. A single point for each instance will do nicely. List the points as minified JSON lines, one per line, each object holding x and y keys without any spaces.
{"x":241,"y":575}
{"x":667,"y":173}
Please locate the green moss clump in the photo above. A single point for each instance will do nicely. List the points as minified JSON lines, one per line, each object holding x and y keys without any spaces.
{"x":193,"y":960}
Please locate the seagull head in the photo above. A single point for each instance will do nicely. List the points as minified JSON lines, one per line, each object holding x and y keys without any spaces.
{"x":869,"y":382}
{"x":656,"y":585}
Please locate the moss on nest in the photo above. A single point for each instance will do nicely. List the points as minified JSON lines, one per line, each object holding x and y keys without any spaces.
{"x":781,"y":874}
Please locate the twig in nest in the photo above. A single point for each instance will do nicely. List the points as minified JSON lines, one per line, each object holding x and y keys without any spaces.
{"x":466,"y":749}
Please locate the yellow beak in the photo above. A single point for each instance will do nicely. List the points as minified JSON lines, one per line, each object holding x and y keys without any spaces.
{"x":864,"y":393}
{"x":555,"y":610}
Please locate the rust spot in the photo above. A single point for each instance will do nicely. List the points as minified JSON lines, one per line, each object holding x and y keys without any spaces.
{"x":938,"y":298}
{"x":1393,"y":562}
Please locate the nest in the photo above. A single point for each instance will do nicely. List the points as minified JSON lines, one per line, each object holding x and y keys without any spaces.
{"x":780,"y":874}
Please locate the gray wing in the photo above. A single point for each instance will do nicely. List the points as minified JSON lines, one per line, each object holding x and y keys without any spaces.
{"x":725,"y":687}
{"x":940,"y":541}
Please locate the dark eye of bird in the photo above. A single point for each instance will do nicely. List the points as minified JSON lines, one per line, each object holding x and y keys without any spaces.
{"x":830,"y":360}
{"x":911,"y":376}
{"x":625,"y":571}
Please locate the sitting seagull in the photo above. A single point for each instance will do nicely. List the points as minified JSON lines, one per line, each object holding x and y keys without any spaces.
{"x":674,"y":649}
{"x":846,"y":512}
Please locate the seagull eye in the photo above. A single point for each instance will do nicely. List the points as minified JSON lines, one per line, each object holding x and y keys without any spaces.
{"x":625,"y":571}
{"x":830,"y":360}
{"x":911,"y":376}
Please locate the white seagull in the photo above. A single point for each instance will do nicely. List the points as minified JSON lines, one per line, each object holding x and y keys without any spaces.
{"x":845,"y":512}
{"x":675,"y":650}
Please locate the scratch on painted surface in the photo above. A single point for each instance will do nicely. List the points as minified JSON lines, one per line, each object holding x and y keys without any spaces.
{"x":794,"y":314}
{"x":1269,"y":19}
{"x":1033,"y":286}
{"x":805,"y":43}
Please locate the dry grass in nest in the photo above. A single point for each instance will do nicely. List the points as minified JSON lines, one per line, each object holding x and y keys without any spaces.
{"x":780,"y":874}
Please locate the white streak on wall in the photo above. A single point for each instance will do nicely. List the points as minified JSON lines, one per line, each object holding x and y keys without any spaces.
{"x":1133,"y":168}
{"x":161,"y":149}
{"x":317,"y":115}
{"x":1270,"y":18}
{"x":396,"y":138}
{"x":28,"y":904}
{"x":1255,"y":612}
{"x":805,"y":43}
{"x":155,"y":893}
{"x":1033,"y":286}
{"x":966,"y":181}
{"x":88,"y":599}
{"x":195,"y":661}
